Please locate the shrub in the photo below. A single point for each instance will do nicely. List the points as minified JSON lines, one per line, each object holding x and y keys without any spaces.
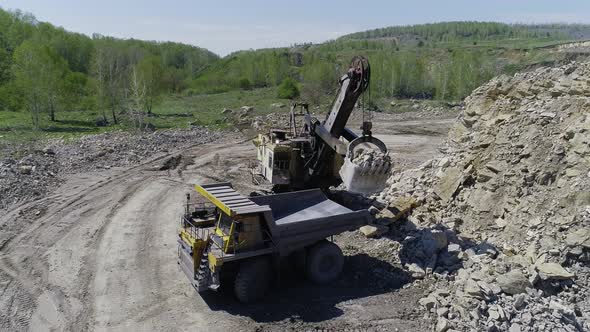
{"x":245,"y":84}
{"x":288,"y":89}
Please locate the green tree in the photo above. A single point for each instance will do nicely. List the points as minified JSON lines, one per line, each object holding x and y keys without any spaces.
{"x":288,"y":89}
{"x":138,"y":96}
{"x":109,"y":73}
{"x":39,"y":74}
{"x":149,"y":73}
{"x":27,"y":69}
{"x":54,"y":78}
{"x":76,"y":90}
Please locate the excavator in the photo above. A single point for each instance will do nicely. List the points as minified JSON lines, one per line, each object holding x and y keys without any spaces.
{"x":319,"y":154}
{"x":242,"y":241}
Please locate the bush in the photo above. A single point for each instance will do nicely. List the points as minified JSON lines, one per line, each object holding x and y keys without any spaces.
{"x":190,"y":92}
{"x":245,"y":84}
{"x":288,"y":89}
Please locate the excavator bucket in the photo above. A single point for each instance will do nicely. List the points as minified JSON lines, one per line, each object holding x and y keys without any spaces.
{"x":367,"y":166}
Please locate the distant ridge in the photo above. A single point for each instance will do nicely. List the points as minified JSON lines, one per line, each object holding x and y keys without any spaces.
{"x":453,"y":31}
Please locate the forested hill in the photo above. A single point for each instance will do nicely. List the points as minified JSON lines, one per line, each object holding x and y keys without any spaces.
{"x":444,"y":61}
{"x":49,"y":76}
{"x":46,"y":68}
{"x":477,"y":31}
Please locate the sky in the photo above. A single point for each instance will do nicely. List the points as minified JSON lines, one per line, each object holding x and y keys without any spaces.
{"x":224,"y":26}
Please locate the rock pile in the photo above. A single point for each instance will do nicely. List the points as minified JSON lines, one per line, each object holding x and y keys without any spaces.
{"x":42,"y":169}
{"x":503,"y":226}
{"x":370,"y":157}
{"x":271,"y":120}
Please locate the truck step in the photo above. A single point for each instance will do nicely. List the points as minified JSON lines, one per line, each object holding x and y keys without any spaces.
{"x":203,"y":275}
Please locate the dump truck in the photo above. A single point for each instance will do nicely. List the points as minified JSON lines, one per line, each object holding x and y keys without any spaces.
{"x":243,"y":240}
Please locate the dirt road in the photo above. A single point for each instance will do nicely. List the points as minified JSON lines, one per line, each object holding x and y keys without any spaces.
{"x":100,"y":254}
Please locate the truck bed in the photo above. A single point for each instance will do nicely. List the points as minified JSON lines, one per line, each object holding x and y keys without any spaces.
{"x":300,"y":218}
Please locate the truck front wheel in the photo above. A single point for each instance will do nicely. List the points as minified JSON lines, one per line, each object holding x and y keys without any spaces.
{"x":324,"y":262}
{"x":253,"y":279}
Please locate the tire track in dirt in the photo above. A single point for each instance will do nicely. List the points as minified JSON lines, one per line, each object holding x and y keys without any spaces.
{"x":45,"y":288}
{"x":103,"y":257}
{"x":32,"y":267}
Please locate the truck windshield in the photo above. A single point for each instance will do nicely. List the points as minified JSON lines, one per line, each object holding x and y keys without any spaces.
{"x":225,"y":224}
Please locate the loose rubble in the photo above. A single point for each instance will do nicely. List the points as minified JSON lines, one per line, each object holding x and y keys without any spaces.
{"x":503,"y":224}
{"x":364,"y":157}
{"x":42,"y":168}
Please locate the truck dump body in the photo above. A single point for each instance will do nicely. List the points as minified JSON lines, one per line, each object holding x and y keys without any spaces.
{"x":297,"y":219}
{"x":291,"y":208}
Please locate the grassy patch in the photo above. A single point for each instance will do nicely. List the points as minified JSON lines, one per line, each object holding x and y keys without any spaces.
{"x":175,"y":111}
{"x":206,"y":109}
{"x":17,"y":126}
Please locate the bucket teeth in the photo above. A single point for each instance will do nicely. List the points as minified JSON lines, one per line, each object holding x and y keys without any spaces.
{"x":367,"y":177}
{"x":367,"y":165}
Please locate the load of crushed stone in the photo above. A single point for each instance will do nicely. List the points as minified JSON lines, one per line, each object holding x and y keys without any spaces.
{"x":502,"y":226}
{"x":366,"y":172}
{"x":369,"y":155}
{"x":372,"y":159}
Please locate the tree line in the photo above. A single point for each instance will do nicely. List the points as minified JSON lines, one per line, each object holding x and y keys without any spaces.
{"x":441,"y":60}
{"x":461,"y":31}
{"x":46,"y":70}
{"x":434,"y":73}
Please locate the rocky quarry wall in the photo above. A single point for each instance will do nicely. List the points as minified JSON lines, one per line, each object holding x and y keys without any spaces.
{"x":501,"y":223}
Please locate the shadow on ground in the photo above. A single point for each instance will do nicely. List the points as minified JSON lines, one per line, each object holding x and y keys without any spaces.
{"x":79,"y":123}
{"x":68,"y":129}
{"x":171,"y":115}
{"x":296,"y":299}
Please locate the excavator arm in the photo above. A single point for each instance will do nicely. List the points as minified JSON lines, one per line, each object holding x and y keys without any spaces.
{"x":352,"y":85}
{"x":328,"y":134}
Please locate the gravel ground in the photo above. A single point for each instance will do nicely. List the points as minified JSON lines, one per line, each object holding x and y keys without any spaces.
{"x":30,"y":172}
{"x":96,"y":250}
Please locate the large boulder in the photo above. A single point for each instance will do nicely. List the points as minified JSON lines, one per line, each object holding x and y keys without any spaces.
{"x":553,"y":271}
{"x":434,"y":241}
{"x":449,"y":183}
{"x":513,"y":282}
{"x":372,"y":231}
{"x":580,"y":237}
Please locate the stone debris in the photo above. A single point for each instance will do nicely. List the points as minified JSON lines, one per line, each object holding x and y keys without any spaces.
{"x":513,"y":282}
{"x":370,"y":156}
{"x":42,"y":169}
{"x":581,"y":237}
{"x":553,"y":271}
{"x":278,"y":105}
{"x":373,"y":230}
{"x":500,"y":221}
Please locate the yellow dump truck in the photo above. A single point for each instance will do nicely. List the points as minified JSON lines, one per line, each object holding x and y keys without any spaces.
{"x":243,"y":239}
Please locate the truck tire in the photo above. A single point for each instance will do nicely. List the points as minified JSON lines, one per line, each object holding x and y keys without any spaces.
{"x":253,"y":279}
{"x":324,"y":262}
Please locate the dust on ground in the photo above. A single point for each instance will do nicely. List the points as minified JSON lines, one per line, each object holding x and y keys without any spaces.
{"x":98,"y":252}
